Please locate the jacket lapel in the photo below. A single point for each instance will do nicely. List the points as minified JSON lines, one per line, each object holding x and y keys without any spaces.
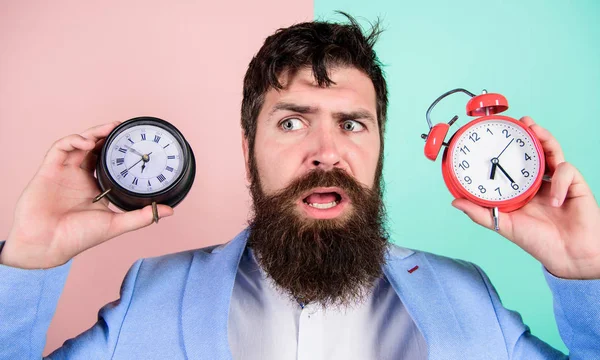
{"x":415,"y":282}
{"x":206,"y":298}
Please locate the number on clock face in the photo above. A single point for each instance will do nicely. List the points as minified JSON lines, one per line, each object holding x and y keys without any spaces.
{"x":513,"y":172}
{"x":135,"y":172}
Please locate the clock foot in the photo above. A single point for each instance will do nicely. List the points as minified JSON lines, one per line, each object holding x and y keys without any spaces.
{"x":154,"y":212}
{"x":496,"y":219}
{"x":99,"y":197}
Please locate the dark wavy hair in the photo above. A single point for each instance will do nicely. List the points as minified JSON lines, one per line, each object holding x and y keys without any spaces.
{"x":320,"y":46}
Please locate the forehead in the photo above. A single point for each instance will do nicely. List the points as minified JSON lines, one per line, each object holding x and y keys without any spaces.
{"x":352,"y":89}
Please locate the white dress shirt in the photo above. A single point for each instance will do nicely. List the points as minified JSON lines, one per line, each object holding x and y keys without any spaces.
{"x":265,"y":324}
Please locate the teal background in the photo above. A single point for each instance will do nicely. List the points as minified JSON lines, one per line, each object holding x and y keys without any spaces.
{"x":544,"y":56}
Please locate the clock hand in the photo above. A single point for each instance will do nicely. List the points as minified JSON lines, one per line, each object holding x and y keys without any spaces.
{"x":493,"y":173}
{"x":135,"y":151}
{"x":505,"y":148}
{"x":505,"y":173}
{"x":146,"y":158}
{"x":135,"y":163}
{"x":494,"y":165}
{"x":147,"y":155}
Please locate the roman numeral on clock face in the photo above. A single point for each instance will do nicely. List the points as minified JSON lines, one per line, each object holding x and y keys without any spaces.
{"x":124,"y":172}
{"x":135,"y":181}
{"x":156,"y":138}
{"x":169,"y":168}
{"x":143,"y":137}
{"x":171,"y":157}
{"x":120,"y":161}
{"x":123,"y":150}
{"x":161,"y":178}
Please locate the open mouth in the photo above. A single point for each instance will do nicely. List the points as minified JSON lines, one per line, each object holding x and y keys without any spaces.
{"x":324,"y":202}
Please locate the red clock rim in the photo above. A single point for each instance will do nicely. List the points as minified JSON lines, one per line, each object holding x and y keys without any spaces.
{"x":458,"y":191}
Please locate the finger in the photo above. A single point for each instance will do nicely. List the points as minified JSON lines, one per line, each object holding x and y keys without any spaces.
{"x":59,"y":151}
{"x":481,"y":215}
{"x":89,"y":161}
{"x":528,"y":121}
{"x":136,"y":219}
{"x":101,"y":131}
{"x":567,"y":182}
{"x":95,"y":134}
{"x":552,"y":150}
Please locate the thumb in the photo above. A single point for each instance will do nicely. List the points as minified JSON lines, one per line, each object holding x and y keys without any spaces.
{"x":479,"y":214}
{"x":136,"y":219}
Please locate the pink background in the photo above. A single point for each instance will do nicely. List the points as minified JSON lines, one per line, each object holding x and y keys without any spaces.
{"x":68,"y":65}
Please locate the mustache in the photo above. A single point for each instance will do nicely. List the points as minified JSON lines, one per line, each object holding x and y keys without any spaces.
{"x":323,"y":178}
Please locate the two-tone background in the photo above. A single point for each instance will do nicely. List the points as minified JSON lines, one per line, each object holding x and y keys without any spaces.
{"x":68,"y":65}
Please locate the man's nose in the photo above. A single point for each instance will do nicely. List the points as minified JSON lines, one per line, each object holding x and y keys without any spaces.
{"x":325,"y":152}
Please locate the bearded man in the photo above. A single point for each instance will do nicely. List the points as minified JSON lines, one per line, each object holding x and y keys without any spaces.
{"x":314,"y":276}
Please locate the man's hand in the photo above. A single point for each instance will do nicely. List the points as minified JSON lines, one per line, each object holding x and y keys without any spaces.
{"x":55,"y":218}
{"x":560,"y":226}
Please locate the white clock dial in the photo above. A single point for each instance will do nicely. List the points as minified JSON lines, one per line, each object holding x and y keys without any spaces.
{"x":501,"y":142}
{"x":144,"y":159}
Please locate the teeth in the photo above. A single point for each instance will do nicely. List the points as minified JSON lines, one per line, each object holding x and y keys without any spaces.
{"x":324,"y":206}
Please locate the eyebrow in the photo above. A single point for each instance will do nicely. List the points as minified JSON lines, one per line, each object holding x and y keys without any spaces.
{"x":340,"y":115}
{"x":302,"y":109}
{"x":353,"y":115}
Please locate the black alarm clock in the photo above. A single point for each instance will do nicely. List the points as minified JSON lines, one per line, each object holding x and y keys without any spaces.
{"x":145,"y":161}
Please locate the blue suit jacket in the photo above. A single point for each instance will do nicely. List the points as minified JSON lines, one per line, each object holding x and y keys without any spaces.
{"x":176,"y":307}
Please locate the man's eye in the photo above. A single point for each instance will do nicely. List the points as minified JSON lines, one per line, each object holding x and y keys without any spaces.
{"x":291,"y":124}
{"x":352,"y":125}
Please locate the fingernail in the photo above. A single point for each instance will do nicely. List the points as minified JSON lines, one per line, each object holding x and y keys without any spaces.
{"x":555,"y":202}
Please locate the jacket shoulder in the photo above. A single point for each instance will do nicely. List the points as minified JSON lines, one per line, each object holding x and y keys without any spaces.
{"x":442,"y":266}
{"x":176,"y":260}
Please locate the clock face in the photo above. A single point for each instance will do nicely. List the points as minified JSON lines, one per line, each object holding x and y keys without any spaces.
{"x":144,"y":159}
{"x":495,"y":160}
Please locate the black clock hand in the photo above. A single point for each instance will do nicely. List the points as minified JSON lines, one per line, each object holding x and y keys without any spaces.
{"x":146,"y":158}
{"x":147,"y":155}
{"x":135,"y":163}
{"x":505,"y":148}
{"x":494,"y":164}
{"x":493,"y":173}
{"x":505,"y":173}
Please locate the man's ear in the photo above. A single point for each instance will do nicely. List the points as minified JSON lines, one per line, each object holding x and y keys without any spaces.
{"x":246,"y":158}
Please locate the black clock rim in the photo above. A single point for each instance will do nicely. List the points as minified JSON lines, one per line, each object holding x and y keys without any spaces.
{"x":144,"y":120}
{"x":139,"y":202}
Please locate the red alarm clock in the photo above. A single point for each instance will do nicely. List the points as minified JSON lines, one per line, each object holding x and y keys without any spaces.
{"x":494,"y":161}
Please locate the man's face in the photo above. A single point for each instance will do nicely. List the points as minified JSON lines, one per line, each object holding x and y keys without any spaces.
{"x":317,"y":227}
{"x":304,"y":127}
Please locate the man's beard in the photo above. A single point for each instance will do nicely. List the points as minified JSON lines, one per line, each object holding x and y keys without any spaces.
{"x":332,"y":262}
